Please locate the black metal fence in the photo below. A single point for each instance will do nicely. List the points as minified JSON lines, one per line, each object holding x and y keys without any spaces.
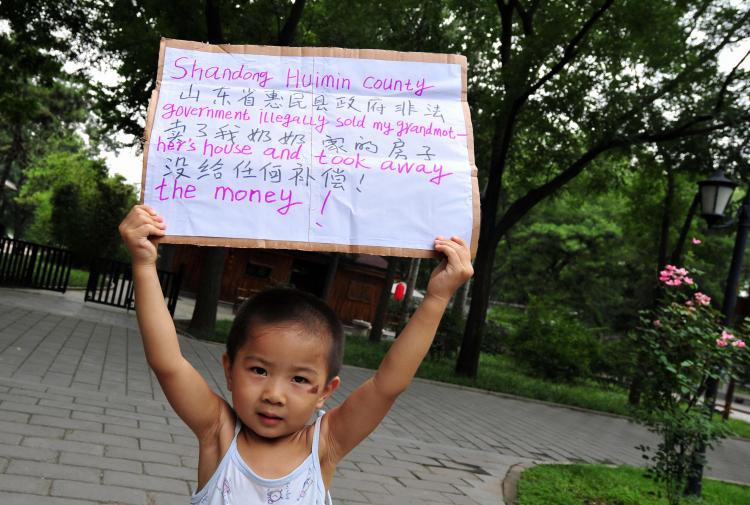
{"x":25,"y":264}
{"x":111,"y":283}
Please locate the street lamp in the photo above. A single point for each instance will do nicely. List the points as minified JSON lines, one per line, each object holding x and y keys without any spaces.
{"x":715,"y":195}
{"x":716,"y":192}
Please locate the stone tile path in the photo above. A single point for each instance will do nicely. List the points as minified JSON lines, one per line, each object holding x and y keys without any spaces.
{"x":83,"y":421}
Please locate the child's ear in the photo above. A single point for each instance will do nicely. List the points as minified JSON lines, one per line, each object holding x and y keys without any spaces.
{"x":332,"y":386}
{"x":227,"y":370}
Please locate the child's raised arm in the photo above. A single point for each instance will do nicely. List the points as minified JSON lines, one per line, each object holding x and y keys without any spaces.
{"x":184,"y":387}
{"x":348,"y":424}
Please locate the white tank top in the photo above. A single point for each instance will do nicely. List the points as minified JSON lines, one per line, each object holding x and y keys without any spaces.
{"x":235,"y":483}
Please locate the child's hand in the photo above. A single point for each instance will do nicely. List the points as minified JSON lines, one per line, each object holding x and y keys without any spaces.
{"x":454,"y":270}
{"x":141,"y":222}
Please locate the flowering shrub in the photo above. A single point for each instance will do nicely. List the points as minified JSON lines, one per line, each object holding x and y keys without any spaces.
{"x":685,"y":345}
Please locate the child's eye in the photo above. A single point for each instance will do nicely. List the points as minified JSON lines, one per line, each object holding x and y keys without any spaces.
{"x":258,"y":370}
{"x":299,"y":380}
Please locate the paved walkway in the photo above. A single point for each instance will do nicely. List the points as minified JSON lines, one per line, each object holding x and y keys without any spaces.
{"x":83,"y":421}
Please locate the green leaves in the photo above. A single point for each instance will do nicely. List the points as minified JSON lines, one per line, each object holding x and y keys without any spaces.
{"x":682,"y":354}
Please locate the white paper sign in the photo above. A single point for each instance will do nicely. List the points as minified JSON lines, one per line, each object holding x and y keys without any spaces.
{"x":309,"y":149}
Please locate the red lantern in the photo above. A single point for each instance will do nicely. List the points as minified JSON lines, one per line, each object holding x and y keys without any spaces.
{"x":400,"y":291}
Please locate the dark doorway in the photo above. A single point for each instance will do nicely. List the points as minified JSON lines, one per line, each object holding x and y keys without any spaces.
{"x":309,"y":276}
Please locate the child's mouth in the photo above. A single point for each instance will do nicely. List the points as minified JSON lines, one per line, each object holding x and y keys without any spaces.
{"x":268,"y":419}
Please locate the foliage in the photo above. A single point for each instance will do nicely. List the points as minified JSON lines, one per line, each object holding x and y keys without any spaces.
{"x":39,"y":102}
{"x":601,"y":485}
{"x":557,"y":251}
{"x":615,"y":361}
{"x":75,"y":204}
{"x":554,"y":343}
{"x":448,"y":336}
{"x":500,"y":374}
{"x":685,"y":346}
{"x":497,"y":373}
{"x":565,"y":85}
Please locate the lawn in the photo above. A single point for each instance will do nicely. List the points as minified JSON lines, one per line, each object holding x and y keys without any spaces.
{"x":78,"y":278}
{"x":600,"y":485}
{"x":496,"y":373}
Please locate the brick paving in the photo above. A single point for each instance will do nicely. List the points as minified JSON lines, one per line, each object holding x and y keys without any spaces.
{"x":83,"y":421}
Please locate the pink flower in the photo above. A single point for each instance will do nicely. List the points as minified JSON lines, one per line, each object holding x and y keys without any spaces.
{"x":673,"y":276}
{"x":689,"y":303}
{"x":721,"y":342}
{"x":657,"y":323}
{"x":725,"y":335}
{"x":696,"y":241}
{"x":702,"y":299}
{"x":739,"y":343}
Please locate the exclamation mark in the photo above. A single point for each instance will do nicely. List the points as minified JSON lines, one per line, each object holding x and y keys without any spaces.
{"x":323,"y":208}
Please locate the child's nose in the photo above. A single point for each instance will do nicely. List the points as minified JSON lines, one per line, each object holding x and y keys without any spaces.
{"x":273,"y":392}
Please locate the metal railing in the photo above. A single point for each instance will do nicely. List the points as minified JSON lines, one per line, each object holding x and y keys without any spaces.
{"x":26,"y":264}
{"x":111,"y":283}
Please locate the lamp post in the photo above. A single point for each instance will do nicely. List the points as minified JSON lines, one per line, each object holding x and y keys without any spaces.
{"x":716,"y":192}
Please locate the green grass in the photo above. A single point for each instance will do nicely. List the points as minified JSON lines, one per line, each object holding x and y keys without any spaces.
{"x":78,"y":278}
{"x":500,"y":374}
{"x":219,"y":334}
{"x":600,"y":485}
{"x":741,"y":428}
{"x":496,"y":373}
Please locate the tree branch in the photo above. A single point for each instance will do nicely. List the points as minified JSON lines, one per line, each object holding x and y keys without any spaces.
{"x":286,"y":36}
{"x":670,"y":85}
{"x":526,"y":18}
{"x":521,"y":206}
{"x":506,"y":32}
{"x":570,"y":50}
{"x":727,"y":82}
{"x":686,"y":130}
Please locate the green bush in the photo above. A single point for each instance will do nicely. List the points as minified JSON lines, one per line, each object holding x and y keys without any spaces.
{"x":448,"y":337}
{"x":553,"y":343}
{"x":615,"y":361}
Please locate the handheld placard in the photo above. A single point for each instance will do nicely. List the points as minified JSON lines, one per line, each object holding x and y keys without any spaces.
{"x":319,"y":149}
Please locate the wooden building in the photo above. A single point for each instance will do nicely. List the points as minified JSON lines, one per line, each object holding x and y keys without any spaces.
{"x":353,"y":281}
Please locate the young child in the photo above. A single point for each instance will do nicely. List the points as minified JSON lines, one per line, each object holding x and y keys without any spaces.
{"x":283,"y":357}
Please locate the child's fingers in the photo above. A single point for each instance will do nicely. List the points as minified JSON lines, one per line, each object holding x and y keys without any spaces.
{"x":449,"y":249}
{"x":457,"y":254}
{"x":148,"y":229}
{"x":458,"y":240}
{"x":148,"y":209}
{"x":150,"y":212}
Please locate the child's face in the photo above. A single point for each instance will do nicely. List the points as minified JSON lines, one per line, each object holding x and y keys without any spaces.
{"x":278,"y":378}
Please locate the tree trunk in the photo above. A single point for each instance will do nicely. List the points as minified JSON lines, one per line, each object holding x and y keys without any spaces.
{"x":166,"y":256}
{"x":676,"y":257}
{"x":213,"y":22}
{"x":377,"y":325}
{"x":636,"y":384}
{"x":728,"y":398}
{"x":411,"y":282}
{"x":459,"y":300}
{"x":204,"y":313}
{"x":467,"y":363}
{"x":286,"y":36}
{"x":14,"y":153}
{"x":212,"y":271}
{"x":666,"y":221}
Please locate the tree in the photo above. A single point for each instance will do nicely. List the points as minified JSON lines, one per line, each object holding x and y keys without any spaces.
{"x":578,"y":81}
{"x":38,"y":102}
{"x":74,"y":203}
